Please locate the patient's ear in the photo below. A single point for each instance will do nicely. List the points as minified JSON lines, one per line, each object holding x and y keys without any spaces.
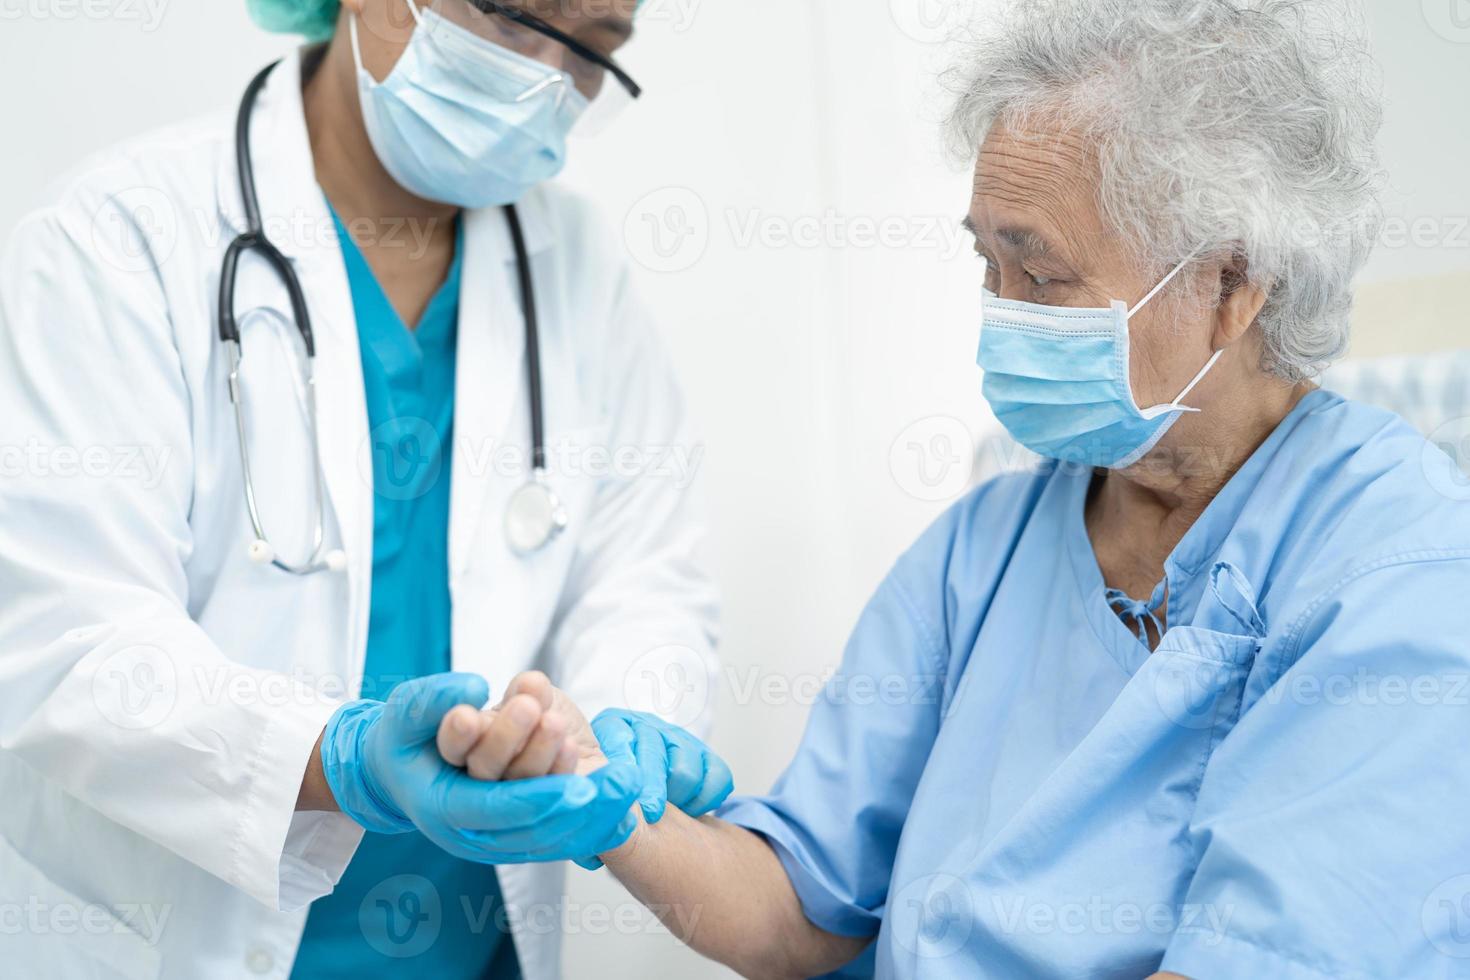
{"x":1240,"y":302}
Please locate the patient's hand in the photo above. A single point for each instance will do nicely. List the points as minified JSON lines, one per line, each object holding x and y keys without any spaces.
{"x":535,"y":730}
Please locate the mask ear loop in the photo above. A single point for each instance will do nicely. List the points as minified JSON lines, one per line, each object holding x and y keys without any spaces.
{"x":1174,"y":406}
{"x":356,"y":49}
{"x":418,"y":21}
{"x":1166,"y":280}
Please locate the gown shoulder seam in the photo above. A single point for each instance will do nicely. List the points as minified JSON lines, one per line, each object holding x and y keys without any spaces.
{"x":1289,"y":654}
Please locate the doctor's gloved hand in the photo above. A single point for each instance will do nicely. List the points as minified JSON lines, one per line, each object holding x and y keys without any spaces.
{"x":537,"y":729}
{"x":534,"y":730}
{"x":676,"y":766}
{"x":386,"y":772}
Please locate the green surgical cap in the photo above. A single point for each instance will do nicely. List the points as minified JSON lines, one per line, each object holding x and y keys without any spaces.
{"x":312,"y":18}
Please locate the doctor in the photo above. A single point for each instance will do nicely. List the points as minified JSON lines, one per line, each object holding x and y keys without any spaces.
{"x":295,"y":422}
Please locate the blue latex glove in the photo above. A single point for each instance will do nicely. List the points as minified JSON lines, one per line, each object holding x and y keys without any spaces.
{"x":383,"y":766}
{"x":676,"y":767}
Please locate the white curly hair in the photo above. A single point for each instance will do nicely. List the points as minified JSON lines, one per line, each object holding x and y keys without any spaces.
{"x":1244,"y":126}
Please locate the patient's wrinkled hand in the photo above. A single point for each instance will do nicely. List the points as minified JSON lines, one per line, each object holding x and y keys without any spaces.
{"x":535,"y":730}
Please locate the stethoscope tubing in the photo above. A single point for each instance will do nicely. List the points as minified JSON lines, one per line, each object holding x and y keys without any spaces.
{"x":254,"y":239}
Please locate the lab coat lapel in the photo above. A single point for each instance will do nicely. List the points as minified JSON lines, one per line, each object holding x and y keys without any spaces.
{"x":490,"y":376}
{"x":297,"y":221}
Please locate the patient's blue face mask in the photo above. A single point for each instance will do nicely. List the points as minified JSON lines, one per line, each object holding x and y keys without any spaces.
{"x":1057,"y":379}
{"x":464,"y":121}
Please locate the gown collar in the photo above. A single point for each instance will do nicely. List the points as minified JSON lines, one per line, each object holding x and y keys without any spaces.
{"x":1193,"y":555}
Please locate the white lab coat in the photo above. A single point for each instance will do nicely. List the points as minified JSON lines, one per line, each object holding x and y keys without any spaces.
{"x":159,"y":693}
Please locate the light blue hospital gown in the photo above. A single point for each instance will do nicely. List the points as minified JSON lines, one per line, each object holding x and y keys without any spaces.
{"x":1002,"y":781}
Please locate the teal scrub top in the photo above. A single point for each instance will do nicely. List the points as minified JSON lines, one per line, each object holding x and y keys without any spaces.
{"x":1003,"y":781}
{"x":404,"y":905}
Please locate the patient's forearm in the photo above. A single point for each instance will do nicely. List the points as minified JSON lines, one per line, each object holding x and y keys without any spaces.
{"x":721,"y":889}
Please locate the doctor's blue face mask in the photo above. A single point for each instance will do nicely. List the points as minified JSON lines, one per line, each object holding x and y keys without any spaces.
{"x":1057,"y":379}
{"x":464,"y":121}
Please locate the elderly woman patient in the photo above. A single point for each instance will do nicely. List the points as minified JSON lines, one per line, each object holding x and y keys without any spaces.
{"x":1189,"y":701}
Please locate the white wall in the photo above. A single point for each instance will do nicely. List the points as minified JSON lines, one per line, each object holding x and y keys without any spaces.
{"x":833,"y":376}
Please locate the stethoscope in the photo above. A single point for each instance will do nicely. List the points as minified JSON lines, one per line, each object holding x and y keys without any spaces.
{"x":534,"y":515}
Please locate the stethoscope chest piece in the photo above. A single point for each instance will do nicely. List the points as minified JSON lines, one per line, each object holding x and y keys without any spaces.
{"x":533,"y":516}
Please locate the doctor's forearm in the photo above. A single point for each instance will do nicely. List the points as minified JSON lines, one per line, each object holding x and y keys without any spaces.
{"x":720,"y":889}
{"x":315,"y":793}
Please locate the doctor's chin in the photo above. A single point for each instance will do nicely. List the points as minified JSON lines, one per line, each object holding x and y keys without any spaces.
{"x":928,"y":490}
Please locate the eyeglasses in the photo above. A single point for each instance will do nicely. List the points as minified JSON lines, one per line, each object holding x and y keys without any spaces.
{"x":586,"y":68}
{"x":534,"y":23}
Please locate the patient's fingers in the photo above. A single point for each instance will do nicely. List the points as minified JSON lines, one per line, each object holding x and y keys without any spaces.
{"x":566,"y":758}
{"x":505,"y":735}
{"x":533,"y":683}
{"x":458,"y":732}
{"x":541,"y":750}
